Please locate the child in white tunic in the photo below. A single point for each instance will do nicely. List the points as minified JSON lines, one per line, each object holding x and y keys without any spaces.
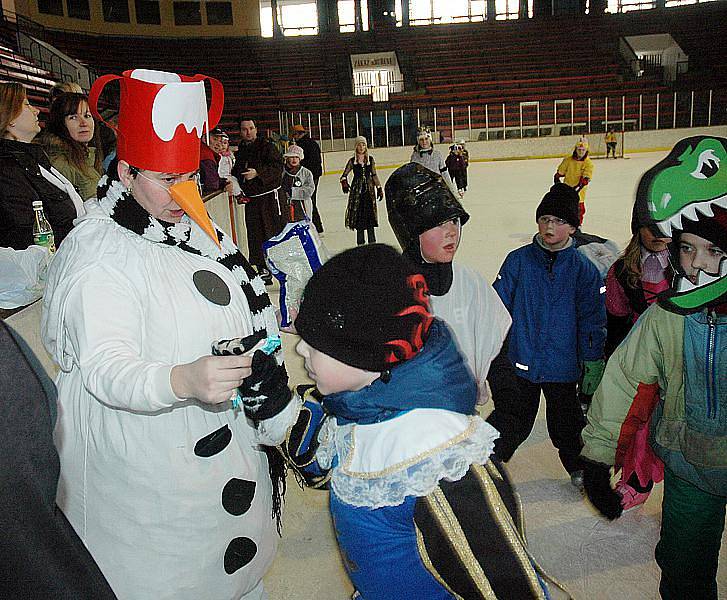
{"x":427,"y":219}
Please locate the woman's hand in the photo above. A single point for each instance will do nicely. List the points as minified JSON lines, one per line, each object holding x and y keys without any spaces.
{"x":210,"y":379}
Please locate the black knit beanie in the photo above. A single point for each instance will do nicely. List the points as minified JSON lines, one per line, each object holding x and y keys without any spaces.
{"x":561,"y":201}
{"x":367,"y":308}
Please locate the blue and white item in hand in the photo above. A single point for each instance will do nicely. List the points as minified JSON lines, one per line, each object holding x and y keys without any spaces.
{"x":292,"y":257}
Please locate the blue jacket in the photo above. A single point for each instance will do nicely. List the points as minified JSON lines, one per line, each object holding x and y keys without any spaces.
{"x":557,"y":304}
{"x":383,"y":517}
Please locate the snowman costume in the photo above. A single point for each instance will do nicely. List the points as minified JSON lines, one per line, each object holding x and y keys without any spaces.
{"x":171,"y":496}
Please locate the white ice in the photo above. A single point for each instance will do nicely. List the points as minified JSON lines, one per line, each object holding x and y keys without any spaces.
{"x":594,"y":559}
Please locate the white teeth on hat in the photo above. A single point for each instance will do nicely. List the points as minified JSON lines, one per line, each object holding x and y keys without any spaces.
{"x":690,"y":212}
{"x":706,"y":209}
{"x":703,"y":279}
{"x":665,"y":227}
{"x":685,"y":285}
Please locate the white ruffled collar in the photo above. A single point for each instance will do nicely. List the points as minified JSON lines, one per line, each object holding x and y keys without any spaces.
{"x":383,"y":463}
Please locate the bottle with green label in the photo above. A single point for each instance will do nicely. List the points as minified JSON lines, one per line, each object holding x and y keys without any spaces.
{"x":42,"y":232}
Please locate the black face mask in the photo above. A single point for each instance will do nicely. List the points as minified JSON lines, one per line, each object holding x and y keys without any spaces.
{"x":438,"y":276}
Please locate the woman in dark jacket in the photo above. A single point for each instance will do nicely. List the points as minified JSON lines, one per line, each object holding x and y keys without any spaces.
{"x":26,"y":175}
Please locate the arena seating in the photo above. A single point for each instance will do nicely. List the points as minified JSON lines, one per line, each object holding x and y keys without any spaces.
{"x":14,"y":67}
{"x":469,"y":64}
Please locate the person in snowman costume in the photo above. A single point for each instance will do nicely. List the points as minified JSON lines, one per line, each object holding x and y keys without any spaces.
{"x":165,"y":478}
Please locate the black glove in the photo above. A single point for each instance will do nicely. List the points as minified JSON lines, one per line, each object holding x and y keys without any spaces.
{"x":344,"y":186}
{"x":597,"y":484}
{"x":300,"y":446}
{"x":379,"y":194}
{"x":265,"y":392}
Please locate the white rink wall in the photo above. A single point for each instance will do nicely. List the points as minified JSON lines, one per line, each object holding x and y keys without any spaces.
{"x":542,"y":147}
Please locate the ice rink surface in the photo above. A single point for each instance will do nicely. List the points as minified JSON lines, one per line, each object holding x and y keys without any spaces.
{"x":592,"y":558}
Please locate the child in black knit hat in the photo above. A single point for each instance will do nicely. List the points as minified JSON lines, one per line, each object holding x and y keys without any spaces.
{"x":556,"y":299}
{"x":419,"y":509}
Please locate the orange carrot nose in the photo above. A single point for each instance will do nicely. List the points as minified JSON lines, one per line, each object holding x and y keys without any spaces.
{"x":186,"y":195}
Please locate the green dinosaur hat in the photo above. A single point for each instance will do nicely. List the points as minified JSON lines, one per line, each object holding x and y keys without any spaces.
{"x":687,"y":191}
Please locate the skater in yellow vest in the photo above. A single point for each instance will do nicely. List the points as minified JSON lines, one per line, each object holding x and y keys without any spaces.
{"x":576,"y":171}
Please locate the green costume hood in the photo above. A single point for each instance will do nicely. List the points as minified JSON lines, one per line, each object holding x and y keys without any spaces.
{"x":688,"y":189}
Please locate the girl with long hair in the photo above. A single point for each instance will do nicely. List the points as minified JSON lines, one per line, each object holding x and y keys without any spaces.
{"x":633,"y":283}
{"x":362,"y":193}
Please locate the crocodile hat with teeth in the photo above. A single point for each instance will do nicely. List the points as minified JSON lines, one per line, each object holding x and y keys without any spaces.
{"x":687,"y":191}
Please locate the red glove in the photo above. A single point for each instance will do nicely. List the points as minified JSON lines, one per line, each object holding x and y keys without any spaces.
{"x":379,"y":194}
{"x":583,"y":182}
{"x":556,"y":177}
{"x":344,"y":186}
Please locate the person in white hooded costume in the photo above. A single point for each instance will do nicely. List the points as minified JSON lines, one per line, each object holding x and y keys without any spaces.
{"x":166,"y":483}
{"x":427,"y":219}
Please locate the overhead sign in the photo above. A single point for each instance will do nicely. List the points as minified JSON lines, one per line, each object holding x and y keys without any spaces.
{"x":375,"y":60}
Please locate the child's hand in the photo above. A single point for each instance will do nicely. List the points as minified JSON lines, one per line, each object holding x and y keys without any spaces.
{"x":292,"y":313}
{"x":597,"y":485}
{"x":592,"y":374}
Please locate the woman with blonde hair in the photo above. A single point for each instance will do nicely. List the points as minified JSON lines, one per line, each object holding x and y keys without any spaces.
{"x":26,"y":175}
{"x":67,"y":140}
{"x":363,"y":192}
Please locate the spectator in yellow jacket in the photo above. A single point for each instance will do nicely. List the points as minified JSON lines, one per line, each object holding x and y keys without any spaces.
{"x":576,"y":171}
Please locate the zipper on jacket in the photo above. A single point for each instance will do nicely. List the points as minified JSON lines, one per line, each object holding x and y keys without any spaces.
{"x":550,"y":257}
{"x":709,"y":368}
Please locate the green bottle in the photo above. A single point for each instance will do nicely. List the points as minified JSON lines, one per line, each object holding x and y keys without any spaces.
{"x":42,"y":232}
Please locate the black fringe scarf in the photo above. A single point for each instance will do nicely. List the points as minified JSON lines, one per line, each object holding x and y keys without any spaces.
{"x":121,"y":206}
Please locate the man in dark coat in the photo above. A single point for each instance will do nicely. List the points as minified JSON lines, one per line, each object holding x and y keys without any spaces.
{"x":313,"y":163}
{"x":256,"y":179}
{"x":42,"y":557}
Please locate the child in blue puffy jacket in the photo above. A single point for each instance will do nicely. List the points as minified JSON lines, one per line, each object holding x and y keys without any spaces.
{"x":419,"y":509}
{"x":556,"y":298}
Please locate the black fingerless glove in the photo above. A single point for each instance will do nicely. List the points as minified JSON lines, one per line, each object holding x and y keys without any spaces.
{"x":597,"y":484}
{"x":265,"y":393}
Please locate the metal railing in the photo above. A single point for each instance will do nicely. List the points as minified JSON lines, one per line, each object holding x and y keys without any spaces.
{"x":336,"y":130}
{"x":29,"y":35}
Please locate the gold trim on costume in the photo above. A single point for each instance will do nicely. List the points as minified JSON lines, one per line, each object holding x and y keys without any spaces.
{"x":424,"y":555}
{"x":494,"y":472}
{"x":400,"y":466}
{"x":508,"y":528}
{"x":447,"y":520}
